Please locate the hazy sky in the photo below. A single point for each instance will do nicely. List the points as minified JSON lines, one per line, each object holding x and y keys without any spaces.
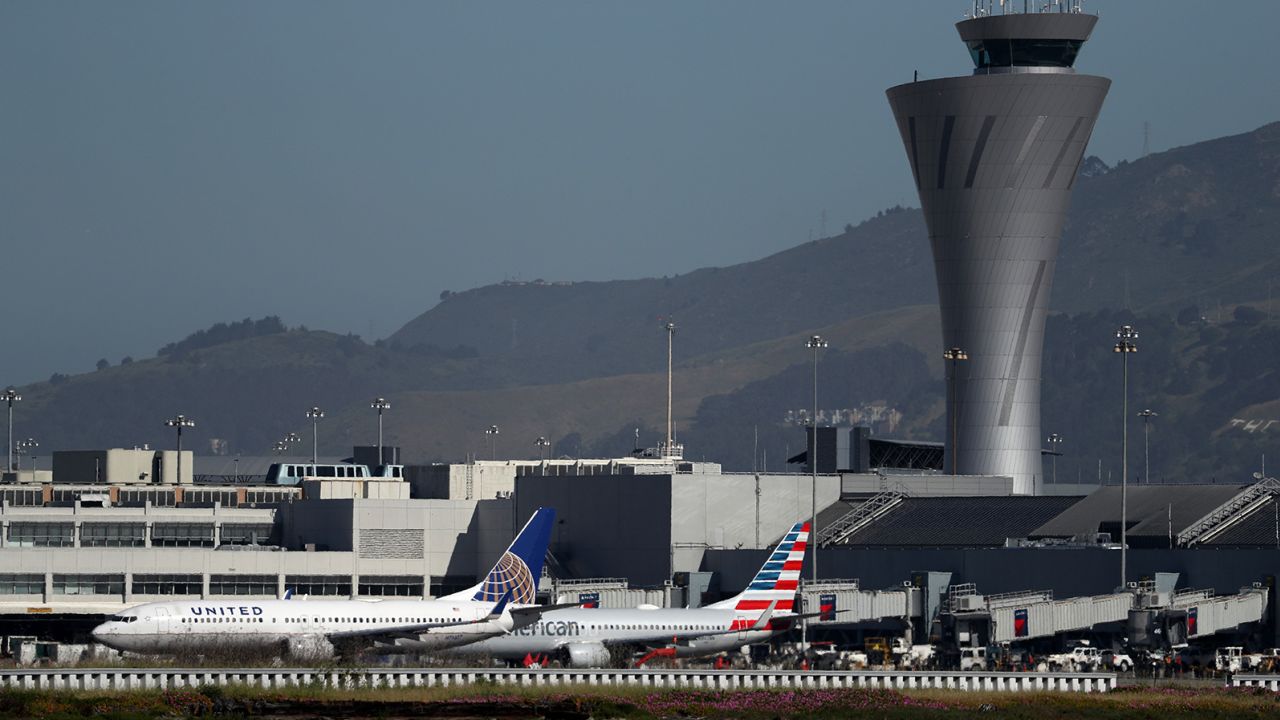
{"x":166,"y":165}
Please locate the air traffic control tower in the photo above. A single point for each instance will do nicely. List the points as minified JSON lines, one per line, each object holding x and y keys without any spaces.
{"x":995,"y":155}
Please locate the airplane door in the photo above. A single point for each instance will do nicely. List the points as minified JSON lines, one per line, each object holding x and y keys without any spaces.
{"x":164,"y":619}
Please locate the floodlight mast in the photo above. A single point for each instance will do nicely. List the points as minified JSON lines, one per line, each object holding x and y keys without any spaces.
{"x":315,"y":413}
{"x":1125,"y":346}
{"x":669,"y":449}
{"x":814,"y":343}
{"x":178,"y":422}
{"x":380,"y":404}
{"x":10,"y":396}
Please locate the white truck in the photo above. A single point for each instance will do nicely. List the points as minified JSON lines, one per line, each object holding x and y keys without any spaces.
{"x":1085,"y":658}
{"x":973,"y":658}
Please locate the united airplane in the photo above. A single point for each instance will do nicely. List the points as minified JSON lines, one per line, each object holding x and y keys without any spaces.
{"x":586,"y":637}
{"x":501,"y":602}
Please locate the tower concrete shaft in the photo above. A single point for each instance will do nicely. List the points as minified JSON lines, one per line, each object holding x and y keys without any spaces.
{"x":995,"y":156}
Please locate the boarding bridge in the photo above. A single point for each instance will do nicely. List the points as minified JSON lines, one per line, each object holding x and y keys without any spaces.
{"x":844,"y":602}
{"x":608,"y":593}
{"x":1184,"y":615}
{"x":1201,"y":612}
{"x":1027,"y":615}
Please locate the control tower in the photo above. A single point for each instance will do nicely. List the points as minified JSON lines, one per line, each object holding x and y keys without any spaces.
{"x":995,"y":155}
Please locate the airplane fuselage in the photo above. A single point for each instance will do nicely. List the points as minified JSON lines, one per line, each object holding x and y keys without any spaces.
{"x":170,"y":627}
{"x":693,"y":631}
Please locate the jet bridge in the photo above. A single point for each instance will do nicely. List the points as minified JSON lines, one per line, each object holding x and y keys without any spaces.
{"x":1018,"y":616}
{"x":1151,"y":610}
{"x":1198,"y":613}
{"x":844,"y":602}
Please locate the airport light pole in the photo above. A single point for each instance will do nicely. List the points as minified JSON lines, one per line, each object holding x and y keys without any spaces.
{"x":1146,"y":416}
{"x":380,"y":404}
{"x":23,"y":447}
{"x":815,"y":343}
{"x":542,"y":444}
{"x":1055,"y":440}
{"x":492,"y":432}
{"x":670,"y":327}
{"x":178,"y":422}
{"x":954,"y":355}
{"x":10,"y":396}
{"x":280,"y":447}
{"x":315,"y":413}
{"x":1125,"y":346}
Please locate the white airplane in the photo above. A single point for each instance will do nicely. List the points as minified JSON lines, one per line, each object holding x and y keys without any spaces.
{"x":503,"y":601}
{"x":586,"y":637}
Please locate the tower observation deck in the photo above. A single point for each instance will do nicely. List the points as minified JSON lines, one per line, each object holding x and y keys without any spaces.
{"x":995,"y":155}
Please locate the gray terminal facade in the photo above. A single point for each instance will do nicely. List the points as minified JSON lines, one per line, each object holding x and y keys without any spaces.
{"x":995,"y":156}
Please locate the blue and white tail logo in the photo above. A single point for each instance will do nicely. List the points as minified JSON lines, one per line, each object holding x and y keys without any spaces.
{"x":517,"y":571}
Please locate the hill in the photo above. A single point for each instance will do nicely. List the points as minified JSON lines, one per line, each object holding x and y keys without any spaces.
{"x":1192,"y":225}
{"x":1185,"y":234}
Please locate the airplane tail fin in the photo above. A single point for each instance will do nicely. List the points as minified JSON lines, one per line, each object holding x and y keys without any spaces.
{"x":518,"y":569}
{"x":777,"y":580}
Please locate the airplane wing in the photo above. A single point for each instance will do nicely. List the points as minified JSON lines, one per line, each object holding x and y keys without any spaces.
{"x":529,"y":614}
{"x":413,"y":629}
{"x":520,"y":616}
{"x":676,"y":637}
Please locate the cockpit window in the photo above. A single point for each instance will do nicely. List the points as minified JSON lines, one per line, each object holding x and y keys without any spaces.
{"x":124,"y":618}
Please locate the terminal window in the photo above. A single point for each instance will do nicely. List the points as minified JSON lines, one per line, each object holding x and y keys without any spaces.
{"x":181,"y":535}
{"x":32,"y":534}
{"x":246,"y":534}
{"x":207,"y":498}
{"x":262,"y":585}
{"x":139,"y":498}
{"x":160,"y":584}
{"x":319,"y":584}
{"x":391,"y":585}
{"x":268,"y":497}
{"x":23,"y":497}
{"x":21,"y":584}
{"x":113,"y":535}
{"x":88,"y":584}
{"x":449,"y":584}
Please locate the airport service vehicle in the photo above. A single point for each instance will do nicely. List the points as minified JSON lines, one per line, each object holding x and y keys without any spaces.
{"x":974,"y":658}
{"x":587,"y":637}
{"x":501,"y":602}
{"x":1116,"y":660}
{"x":1086,"y":657}
{"x":912,"y":657}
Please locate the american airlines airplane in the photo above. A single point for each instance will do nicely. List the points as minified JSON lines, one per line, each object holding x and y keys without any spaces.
{"x":585,"y":637}
{"x":503,"y":601}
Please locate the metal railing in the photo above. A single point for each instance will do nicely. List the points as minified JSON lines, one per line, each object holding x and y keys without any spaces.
{"x":269,"y":678}
{"x":866,"y":512}
{"x":1230,"y":512}
{"x":1019,"y":597}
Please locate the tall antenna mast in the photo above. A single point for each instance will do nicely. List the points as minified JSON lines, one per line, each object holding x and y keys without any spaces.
{"x":1146,"y":138}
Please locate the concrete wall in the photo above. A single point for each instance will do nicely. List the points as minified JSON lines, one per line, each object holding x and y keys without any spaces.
{"x":606,"y":525}
{"x":645,"y":527}
{"x":122,"y":466}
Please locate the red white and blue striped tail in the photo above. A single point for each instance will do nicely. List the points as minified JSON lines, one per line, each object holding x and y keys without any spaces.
{"x":778,"y":578}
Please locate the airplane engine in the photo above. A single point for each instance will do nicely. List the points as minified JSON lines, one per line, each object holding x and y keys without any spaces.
{"x":588,"y":655}
{"x":314,"y":647}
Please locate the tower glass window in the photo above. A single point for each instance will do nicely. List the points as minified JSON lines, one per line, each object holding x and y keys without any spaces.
{"x":1004,"y":52}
